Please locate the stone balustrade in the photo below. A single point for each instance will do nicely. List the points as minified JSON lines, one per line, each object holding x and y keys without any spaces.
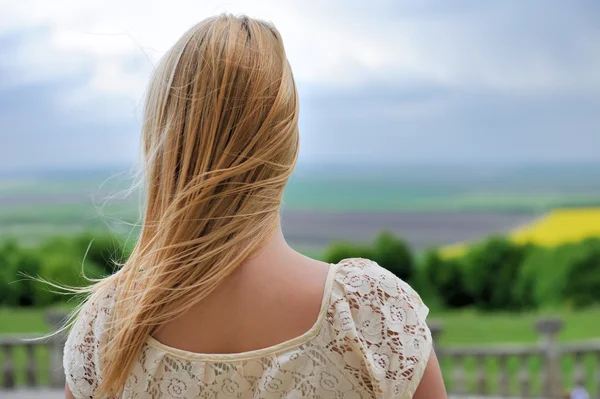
{"x":524,"y":371}
{"x":517,"y":371}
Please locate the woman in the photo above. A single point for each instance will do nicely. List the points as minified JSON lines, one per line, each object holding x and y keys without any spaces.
{"x":213,"y":302}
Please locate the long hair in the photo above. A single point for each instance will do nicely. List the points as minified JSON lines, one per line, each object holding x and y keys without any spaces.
{"x":219,"y":142}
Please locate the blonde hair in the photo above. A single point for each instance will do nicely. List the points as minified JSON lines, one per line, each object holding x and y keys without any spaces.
{"x":220,"y":140}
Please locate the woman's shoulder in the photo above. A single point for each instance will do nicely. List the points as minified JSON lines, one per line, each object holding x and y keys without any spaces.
{"x":365,"y":280}
{"x":386,"y":317}
{"x":81,"y":357}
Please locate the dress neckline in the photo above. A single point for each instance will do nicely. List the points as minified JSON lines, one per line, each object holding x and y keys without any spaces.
{"x":258,"y":353}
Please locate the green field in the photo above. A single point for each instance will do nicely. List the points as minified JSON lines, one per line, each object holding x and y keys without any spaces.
{"x":35,"y":206}
{"x":460,"y":327}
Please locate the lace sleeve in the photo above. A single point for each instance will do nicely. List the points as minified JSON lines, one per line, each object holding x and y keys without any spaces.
{"x":389,"y":317}
{"x":81,"y":357}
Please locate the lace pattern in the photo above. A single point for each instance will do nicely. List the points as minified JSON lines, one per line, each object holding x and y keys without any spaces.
{"x":371,"y":340}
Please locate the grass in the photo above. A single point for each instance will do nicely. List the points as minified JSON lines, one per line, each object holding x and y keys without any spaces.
{"x":466,"y":327}
{"x":473,"y":328}
{"x":17,"y":321}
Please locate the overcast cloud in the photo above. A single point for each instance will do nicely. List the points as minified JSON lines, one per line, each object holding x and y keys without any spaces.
{"x":382,"y":81}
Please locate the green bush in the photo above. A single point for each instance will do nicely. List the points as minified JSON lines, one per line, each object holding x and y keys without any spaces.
{"x":17,"y":266}
{"x":491,"y":273}
{"x":494,"y":275}
{"x":105,"y":251}
{"x":26,"y":268}
{"x":528,"y":286}
{"x":393,"y":254}
{"x":388,"y":251}
{"x":445,"y":278}
{"x":343,"y":250}
{"x":582,"y":285}
{"x":543,"y":276}
{"x":9,"y":290}
{"x":58,"y":260}
{"x":64,"y":262}
{"x":63,"y":270}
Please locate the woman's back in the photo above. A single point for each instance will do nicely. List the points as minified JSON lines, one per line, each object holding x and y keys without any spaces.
{"x":271,"y":298}
{"x":211,"y":273}
{"x":368,"y":339}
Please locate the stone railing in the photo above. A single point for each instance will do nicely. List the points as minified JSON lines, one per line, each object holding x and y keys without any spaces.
{"x":518,"y":371}
{"x":32,"y":361}
{"x":522,"y":371}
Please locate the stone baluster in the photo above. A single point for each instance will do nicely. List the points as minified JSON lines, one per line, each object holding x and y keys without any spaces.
{"x":458,"y":374}
{"x":578,"y":373}
{"x":481,"y":375}
{"x":31,"y":367}
{"x":524,"y":375}
{"x":55,"y":349}
{"x":55,"y":355}
{"x":551,"y":381}
{"x":9,"y":367}
{"x":503,"y":375}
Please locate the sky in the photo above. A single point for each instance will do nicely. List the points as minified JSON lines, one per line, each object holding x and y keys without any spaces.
{"x":381,"y":81}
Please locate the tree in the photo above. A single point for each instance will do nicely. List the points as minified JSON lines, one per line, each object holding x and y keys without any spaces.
{"x":8,"y":289}
{"x":445,"y":276}
{"x":527,"y":287}
{"x":492,"y":271}
{"x":583,"y":279}
{"x":27,"y":269}
{"x":393,"y":254}
{"x":343,"y":250}
{"x":103,"y":250}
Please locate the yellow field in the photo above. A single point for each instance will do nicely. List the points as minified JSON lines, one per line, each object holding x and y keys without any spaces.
{"x":557,"y":227}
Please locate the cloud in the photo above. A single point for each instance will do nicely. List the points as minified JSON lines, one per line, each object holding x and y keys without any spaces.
{"x":504,"y":45}
{"x":386,"y":80}
{"x":389,"y":125}
{"x":38,"y":129}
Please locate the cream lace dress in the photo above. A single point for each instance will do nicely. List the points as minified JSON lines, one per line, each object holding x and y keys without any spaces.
{"x":370,"y":341}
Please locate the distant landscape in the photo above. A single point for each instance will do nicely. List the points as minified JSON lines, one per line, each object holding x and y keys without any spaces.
{"x":426,"y":205}
{"x":490,"y":248}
